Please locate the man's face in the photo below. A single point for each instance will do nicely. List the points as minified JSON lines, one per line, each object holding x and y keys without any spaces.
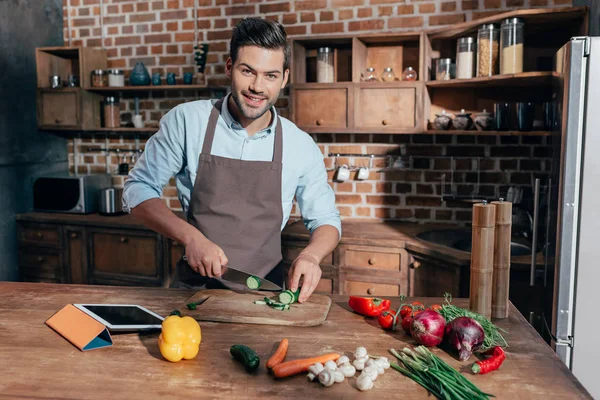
{"x":257,"y":77}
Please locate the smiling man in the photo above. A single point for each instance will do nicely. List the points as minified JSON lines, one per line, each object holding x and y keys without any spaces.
{"x":238,"y":166}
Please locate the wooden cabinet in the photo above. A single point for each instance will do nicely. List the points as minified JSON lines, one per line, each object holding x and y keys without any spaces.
{"x":59,"y":108}
{"x":75,"y":255}
{"x":322,"y":108}
{"x":433,"y":277}
{"x":39,"y":253}
{"x":291,"y":250}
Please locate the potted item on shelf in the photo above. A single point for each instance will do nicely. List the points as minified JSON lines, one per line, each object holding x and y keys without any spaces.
{"x":325,"y":65}
{"x":484,"y":121}
{"x":55,"y":82}
{"x":139,"y":75}
{"x":442,"y":121}
{"x":488,"y":37}
{"x":156,"y":80}
{"x":462,"y":121}
{"x":112,"y":112}
{"x":511,"y":37}
{"x":137,"y":118}
{"x":502,"y":112}
{"x":200,"y":54}
{"x":388,"y":75}
{"x":99,"y":78}
{"x":409,"y":74}
{"x":370,"y":75}
{"x":444,"y":70}
{"x":525,"y":116}
{"x":465,"y":58}
{"x":188,"y":78}
{"x":116,"y":77}
{"x":72,"y":80}
{"x":171,"y":78}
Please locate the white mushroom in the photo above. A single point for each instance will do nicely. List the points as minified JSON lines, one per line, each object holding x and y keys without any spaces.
{"x":331,"y":365}
{"x":359,"y":364}
{"x":327,"y":377}
{"x":342,"y":360}
{"x":383,"y":361}
{"x":338,"y":376}
{"x":364,"y":382}
{"x":347,"y":369}
{"x":360,"y":352}
{"x":375,"y":364}
{"x":371,"y":371}
{"x":314,"y":371}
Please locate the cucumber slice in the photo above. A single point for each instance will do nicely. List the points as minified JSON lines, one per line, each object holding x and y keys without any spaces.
{"x":253,"y":282}
{"x":289,"y":297}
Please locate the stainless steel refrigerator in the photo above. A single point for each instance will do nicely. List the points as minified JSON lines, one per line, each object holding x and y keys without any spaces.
{"x":575,"y":217}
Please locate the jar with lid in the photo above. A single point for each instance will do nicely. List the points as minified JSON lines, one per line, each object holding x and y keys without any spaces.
{"x":409,"y":74}
{"x":388,"y":75}
{"x":511,"y":39}
{"x":325,"y":65}
{"x":443,"y":69}
{"x":99,"y":78}
{"x":370,"y":75}
{"x":488,"y":38}
{"x":112,"y":113}
{"x":116,"y":77}
{"x":465,"y":58}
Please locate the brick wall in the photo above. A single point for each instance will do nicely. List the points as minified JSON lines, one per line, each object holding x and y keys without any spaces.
{"x":160,"y":33}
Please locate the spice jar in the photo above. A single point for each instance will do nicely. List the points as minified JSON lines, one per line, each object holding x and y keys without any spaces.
{"x":325,"y":65}
{"x":511,"y":58}
{"x":488,"y":38}
{"x":112,"y":114}
{"x":409,"y":74}
{"x":98,"y":78}
{"x":370,"y":75}
{"x":388,"y":75}
{"x":443,"y":70}
{"x":116,"y":77}
{"x":465,"y":58}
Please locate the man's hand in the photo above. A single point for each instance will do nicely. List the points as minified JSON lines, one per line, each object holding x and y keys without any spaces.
{"x":305,"y":266}
{"x":205,"y":257}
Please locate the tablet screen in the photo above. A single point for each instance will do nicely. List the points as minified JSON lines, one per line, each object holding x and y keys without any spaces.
{"x":123,"y":315}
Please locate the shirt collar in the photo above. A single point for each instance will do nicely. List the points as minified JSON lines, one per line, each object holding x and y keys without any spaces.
{"x":237,"y":128}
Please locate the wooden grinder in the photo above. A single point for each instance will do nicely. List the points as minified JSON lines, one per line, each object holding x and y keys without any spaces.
{"x":482,"y":258}
{"x":501,"y":281}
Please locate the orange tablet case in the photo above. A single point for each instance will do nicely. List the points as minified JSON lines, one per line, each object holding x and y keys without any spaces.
{"x":83,"y":331}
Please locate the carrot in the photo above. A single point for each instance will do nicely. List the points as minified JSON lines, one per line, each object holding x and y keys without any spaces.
{"x":295,"y":367}
{"x":279,"y":355}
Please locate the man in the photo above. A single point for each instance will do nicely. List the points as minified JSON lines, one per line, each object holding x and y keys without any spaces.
{"x":238,"y":167}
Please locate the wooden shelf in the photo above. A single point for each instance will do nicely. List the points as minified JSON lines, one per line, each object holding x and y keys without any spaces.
{"x":488,"y":133}
{"x":154,"y":88}
{"x":521,"y":79}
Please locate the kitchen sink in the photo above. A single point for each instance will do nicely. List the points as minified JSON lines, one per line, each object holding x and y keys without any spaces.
{"x":461,"y":240}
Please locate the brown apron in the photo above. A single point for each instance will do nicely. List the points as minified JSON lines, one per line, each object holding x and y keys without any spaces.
{"x":237,"y":205}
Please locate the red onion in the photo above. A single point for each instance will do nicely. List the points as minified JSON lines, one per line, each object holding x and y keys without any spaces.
{"x":465,"y":335}
{"x":427,"y":328}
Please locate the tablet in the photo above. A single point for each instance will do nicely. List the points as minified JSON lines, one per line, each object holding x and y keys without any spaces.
{"x":122,"y":317}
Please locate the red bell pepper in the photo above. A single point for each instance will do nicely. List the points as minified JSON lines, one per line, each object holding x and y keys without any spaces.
{"x":369,"y":306}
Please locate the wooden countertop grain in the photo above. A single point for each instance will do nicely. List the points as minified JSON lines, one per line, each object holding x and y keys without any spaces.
{"x":37,"y":363}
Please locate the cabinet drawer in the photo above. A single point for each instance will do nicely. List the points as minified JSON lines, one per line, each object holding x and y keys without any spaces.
{"x":322,"y":107}
{"x":386,"y":108}
{"x":325,"y":286}
{"x":370,"y":289}
{"x":59,"y":108}
{"x":368,"y":259}
{"x":39,"y":235}
{"x":291,"y":252}
{"x":39,"y":266}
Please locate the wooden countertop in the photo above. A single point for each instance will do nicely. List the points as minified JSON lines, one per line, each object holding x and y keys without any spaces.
{"x":37,"y":363}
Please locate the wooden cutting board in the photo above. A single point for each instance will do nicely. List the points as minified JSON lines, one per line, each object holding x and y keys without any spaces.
{"x":222,"y":305}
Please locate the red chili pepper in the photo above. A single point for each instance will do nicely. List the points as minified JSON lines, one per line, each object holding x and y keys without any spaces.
{"x":491,"y":364}
{"x":388,"y":319}
{"x":369,"y":306}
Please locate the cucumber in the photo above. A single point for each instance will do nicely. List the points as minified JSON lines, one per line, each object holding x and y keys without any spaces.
{"x":253,"y":283}
{"x":289,"y":297}
{"x":246,"y":356}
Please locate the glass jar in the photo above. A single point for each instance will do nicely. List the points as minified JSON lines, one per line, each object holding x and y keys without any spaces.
{"x":488,"y":38}
{"x":409,"y":74}
{"x":388,"y":75}
{"x":325,"y":65}
{"x":98,"y":78}
{"x":465,"y":58}
{"x":116,"y":77}
{"x":370,"y":75}
{"x":511,"y":57}
{"x":112,"y":113}
{"x":443,"y":69}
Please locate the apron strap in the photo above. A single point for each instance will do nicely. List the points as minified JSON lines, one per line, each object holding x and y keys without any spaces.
{"x":278,"y":150}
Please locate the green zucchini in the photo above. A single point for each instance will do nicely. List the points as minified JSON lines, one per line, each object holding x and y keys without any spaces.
{"x":289,"y":297}
{"x":246,"y":356}
{"x":253,"y":282}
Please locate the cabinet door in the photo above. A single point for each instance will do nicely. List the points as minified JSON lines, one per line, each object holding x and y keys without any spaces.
{"x":40,"y":265}
{"x":432,"y":278}
{"x":175,"y":251}
{"x":59,"y":109}
{"x":389,"y":107}
{"x":39,"y":235}
{"x":319,"y":108}
{"x":125,"y":257}
{"x":75,"y":255}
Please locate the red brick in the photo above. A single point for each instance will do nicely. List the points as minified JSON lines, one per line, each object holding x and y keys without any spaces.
{"x":492,"y":4}
{"x":142,"y":18}
{"x":347,"y":3}
{"x":537,"y":3}
{"x":221,"y":2}
{"x":296,"y":30}
{"x":383,"y":200}
{"x":363,"y":211}
{"x":180,"y":14}
{"x":423,"y":201}
{"x":240,"y":10}
{"x":310,"y":5}
{"x":112,"y":9}
{"x":111,"y":53}
{"x":343,"y":187}
{"x":426,"y":8}
{"x":346,"y":14}
{"x":84,"y":12}
{"x":406,"y":9}
{"x":187,"y":48}
{"x":173,"y":4}
{"x":185,"y":37}
{"x":175,"y":60}
{"x":471,"y":4}
{"x":367,"y":25}
{"x":422,"y":213}
{"x":88,"y":2}
{"x":114,"y":20}
{"x":219,"y":46}
{"x":308,"y":17}
{"x":363,"y":187}
{"x":364,"y":12}
{"x":384,"y":187}
{"x":158,"y":49}
{"x":96,"y":32}
{"x":158,"y":27}
{"x":376,"y":2}
{"x":127,"y":8}
{"x":348,"y":199}
{"x":327,"y":27}
{"x":163,"y":38}
{"x":274,"y":8}
{"x":406,"y":22}
{"x":403,"y":213}
{"x":84,"y":22}
{"x":172,"y":49}
{"x":141,"y":51}
{"x":158,"y":5}
{"x":142,"y":6}
{"x":117,"y":63}
{"x":387,"y":10}
{"x":446,"y":19}
{"x":86,"y":32}
{"x":126,"y":29}
{"x":172,"y":26}
{"x":219,"y":35}
{"x":485,"y":14}
{"x":272,"y":17}
{"x":448,"y":6}
{"x":383,"y":212}
{"x":326,"y":16}
{"x":209,"y":12}
{"x":112,"y":30}
{"x":94,"y":43}
{"x":289,"y":19}
{"x":126,"y":51}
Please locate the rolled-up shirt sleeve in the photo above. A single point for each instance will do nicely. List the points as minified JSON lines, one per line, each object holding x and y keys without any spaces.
{"x":163,"y":157}
{"x":315,"y":197}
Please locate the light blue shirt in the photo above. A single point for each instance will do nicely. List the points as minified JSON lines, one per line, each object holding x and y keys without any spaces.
{"x":175,"y":148}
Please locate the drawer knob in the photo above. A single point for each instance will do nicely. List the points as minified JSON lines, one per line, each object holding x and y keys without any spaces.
{"x":39,"y":235}
{"x":415,"y":264}
{"x":124,"y":239}
{"x":371,"y":290}
{"x":58,"y":120}
{"x":74,"y":235}
{"x":384,"y":122}
{"x":319,"y":122}
{"x":40,"y":259}
{"x":372,"y":261}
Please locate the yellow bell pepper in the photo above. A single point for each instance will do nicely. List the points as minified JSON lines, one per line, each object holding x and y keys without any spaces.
{"x":180,"y":338}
